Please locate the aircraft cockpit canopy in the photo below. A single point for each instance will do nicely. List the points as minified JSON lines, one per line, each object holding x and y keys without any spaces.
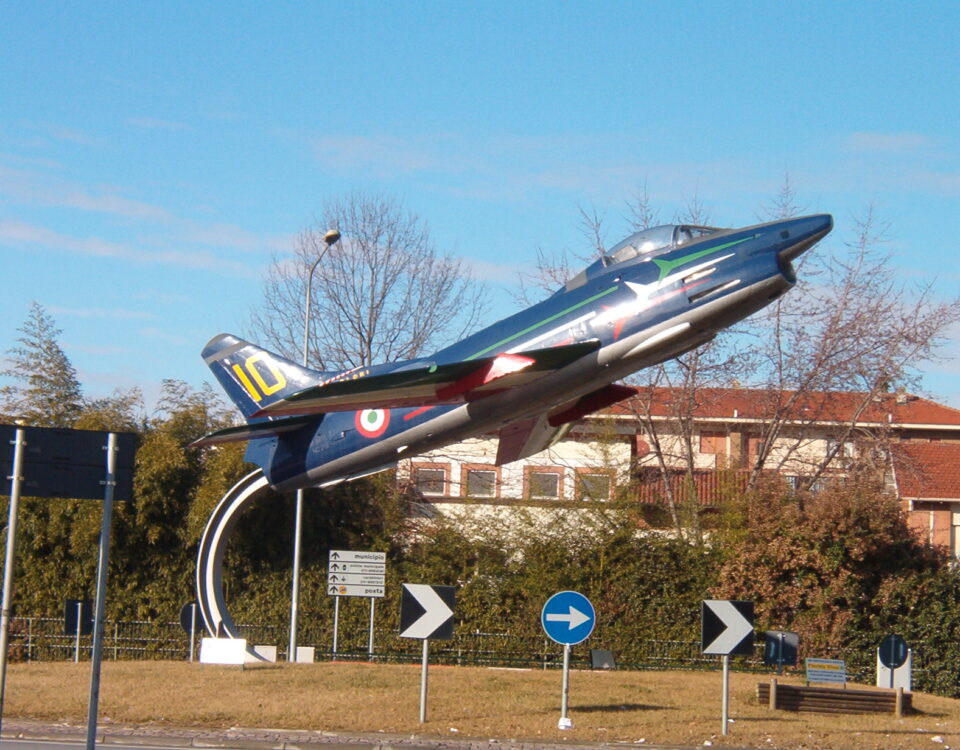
{"x":644,"y":244}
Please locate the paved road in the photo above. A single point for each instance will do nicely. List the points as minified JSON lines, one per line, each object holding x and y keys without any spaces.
{"x":21,"y":734}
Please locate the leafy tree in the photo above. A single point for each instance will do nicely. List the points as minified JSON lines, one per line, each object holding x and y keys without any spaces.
{"x":819,"y":564}
{"x":45,"y":391}
{"x":120,"y":412}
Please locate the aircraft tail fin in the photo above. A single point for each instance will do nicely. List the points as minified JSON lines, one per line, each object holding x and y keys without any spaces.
{"x":252,"y":377}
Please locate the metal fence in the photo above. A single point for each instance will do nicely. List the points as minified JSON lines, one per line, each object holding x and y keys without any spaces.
{"x":43,"y":639}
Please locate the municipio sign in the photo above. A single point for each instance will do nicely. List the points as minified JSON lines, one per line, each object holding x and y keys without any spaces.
{"x":356,"y":573}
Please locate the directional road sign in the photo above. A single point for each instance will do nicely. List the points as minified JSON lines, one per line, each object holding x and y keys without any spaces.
{"x":356,"y":573}
{"x":346,"y":589}
{"x":348,"y":556}
{"x":427,"y":611}
{"x":568,"y":617}
{"x":727,"y":627}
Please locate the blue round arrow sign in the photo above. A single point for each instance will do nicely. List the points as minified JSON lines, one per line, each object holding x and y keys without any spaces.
{"x":568,"y":617}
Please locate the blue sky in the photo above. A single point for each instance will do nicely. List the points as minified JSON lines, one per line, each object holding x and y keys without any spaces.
{"x":154,"y":157}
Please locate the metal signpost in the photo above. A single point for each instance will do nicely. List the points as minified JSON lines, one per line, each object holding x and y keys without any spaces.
{"x":77,"y":620}
{"x":726,"y":627}
{"x":567,"y":618}
{"x":355,"y":573}
{"x":426,"y":612}
{"x":188,"y":621}
{"x":83,"y":464}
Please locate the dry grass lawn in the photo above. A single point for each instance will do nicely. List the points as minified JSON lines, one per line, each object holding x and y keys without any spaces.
{"x":652,"y":707}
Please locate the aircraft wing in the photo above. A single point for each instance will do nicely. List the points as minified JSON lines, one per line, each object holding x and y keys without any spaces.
{"x":523,"y":438}
{"x":528,"y":436}
{"x":431,"y":385}
{"x":255,"y":430}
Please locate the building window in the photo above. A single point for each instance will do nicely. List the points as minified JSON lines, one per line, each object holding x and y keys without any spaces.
{"x":754,"y":445}
{"x":430,"y":481}
{"x":713,"y":443}
{"x":543,"y":484}
{"x":480,"y":481}
{"x":842,"y":451}
{"x":594,"y":485}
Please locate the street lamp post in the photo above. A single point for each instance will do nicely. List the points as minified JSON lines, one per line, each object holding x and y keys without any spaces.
{"x":332,"y":236}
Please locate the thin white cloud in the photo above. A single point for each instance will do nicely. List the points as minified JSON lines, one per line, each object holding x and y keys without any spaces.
{"x":163,"y":298}
{"x":388,"y":155}
{"x":158,"y":334}
{"x":104,"y":350}
{"x":35,"y":188}
{"x":234,"y":237}
{"x":155,"y":123}
{"x":102,"y":312}
{"x":891,"y":143}
{"x":65,"y":133}
{"x":21,"y":233}
{"x":482,"y":270}
{"x":947,"y":183}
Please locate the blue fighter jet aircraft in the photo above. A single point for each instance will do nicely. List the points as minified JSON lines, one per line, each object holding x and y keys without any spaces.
{"x":527,"y":378}
{"x":660,"y":292}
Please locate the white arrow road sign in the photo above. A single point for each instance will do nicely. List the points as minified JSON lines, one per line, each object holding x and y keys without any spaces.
{"x":435,"y":619}
{"x":574,"y":618}
{"x":727,"y":627}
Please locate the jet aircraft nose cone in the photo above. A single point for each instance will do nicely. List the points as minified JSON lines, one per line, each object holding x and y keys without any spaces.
{"x":799,"y":235}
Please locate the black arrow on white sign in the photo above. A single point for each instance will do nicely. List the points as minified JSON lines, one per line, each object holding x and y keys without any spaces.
{"x":727,"y":627}
{"x":427,"y":611}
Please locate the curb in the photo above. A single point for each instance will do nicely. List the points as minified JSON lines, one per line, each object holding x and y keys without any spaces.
{"x":247,"y":738}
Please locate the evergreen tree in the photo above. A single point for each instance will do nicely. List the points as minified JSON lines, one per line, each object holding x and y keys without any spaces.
{"x":45,"y":391}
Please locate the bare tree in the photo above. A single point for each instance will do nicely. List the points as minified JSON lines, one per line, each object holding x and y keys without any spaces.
{"x":851,"y":326}
{"x":784,"y":204}
{"x":640,"y":212}
{"x":382,"y":294}
{"x":593,"y":230}
{"x":552,"y":270}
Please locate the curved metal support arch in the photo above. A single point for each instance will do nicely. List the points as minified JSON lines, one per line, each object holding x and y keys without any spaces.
{"x":213,"y":545}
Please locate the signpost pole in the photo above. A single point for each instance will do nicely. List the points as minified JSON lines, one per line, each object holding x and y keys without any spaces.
{"x":423,"y":680}
{"x":295,"y":591}
{"x":370,"y":642}
{"x":109,"y":486}
{"x":565,"y":722}
{"x":76,"y":646}
{"x":726,"y":692}
{"x":15,"y":479}
{"x":336,"y":623}
{"x":193,"y":627}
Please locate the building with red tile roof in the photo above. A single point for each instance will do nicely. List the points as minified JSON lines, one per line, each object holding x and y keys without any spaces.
{"x":702,"y":445}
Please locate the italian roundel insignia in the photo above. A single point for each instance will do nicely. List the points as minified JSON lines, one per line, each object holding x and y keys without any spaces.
{"x":372,"y":423}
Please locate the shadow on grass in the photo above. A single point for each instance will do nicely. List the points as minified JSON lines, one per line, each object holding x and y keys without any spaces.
{"x":617,"y":707}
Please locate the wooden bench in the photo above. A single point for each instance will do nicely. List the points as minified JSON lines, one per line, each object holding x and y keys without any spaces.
{"x":833,"y":700}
